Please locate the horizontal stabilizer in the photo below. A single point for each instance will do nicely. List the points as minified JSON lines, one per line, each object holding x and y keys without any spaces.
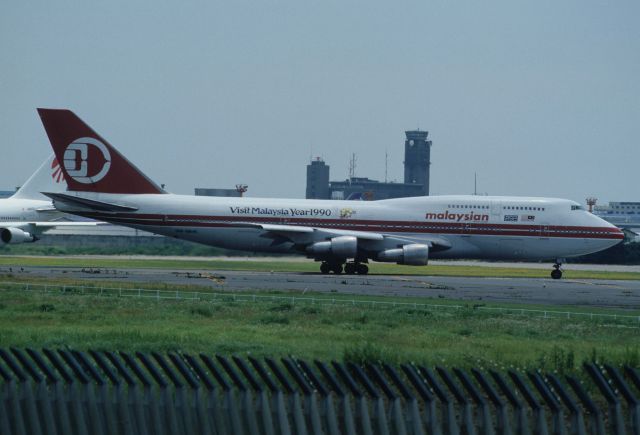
{"x":88,"y":204}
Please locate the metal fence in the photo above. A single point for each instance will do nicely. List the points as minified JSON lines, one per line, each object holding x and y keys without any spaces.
{"x":104,"y":392}
{"x":246,"y":297}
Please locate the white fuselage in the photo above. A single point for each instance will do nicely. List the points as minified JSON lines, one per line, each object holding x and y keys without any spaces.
{"x":19,"y":210}
{"x":482,"y":227}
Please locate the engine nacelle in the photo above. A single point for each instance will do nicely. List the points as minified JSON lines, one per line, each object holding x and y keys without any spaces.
{"x":15,"y":235}
{"x":341,"y":247}
{"x":413,"y":255}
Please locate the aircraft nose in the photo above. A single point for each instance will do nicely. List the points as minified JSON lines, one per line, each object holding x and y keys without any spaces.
{"x":613,"y":234}
{"x":619,"y":234}
{"x":607,"y":234}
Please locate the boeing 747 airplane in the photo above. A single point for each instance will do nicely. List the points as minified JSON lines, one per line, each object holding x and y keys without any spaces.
{"x":342,"y":235}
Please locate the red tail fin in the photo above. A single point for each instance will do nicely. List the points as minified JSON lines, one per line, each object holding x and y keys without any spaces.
{"x":90,"y":163}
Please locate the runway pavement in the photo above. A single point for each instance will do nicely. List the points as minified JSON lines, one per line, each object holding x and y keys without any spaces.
{"x":583,"y":292}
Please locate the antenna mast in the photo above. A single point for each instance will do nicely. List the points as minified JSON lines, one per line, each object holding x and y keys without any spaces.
{"x":386,"y":164}
{"x":352,"y":166}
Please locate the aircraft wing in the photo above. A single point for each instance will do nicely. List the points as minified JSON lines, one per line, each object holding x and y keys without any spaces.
{"x":41,"y":227}
{"x":49,"y":208}
{"x":304,"y":235}
{"x":23,"y":232}
{"x":55,"y":224}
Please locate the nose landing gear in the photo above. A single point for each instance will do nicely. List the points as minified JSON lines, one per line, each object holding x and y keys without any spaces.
{"x":556,"y":273}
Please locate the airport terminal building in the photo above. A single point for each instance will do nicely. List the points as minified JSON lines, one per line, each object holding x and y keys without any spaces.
{"x":621,"y":214}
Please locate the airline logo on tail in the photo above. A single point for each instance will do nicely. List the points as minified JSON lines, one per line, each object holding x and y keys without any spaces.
{"x":89,"y":163}
{"x":87,"y":160}
{"x":57,"y":174}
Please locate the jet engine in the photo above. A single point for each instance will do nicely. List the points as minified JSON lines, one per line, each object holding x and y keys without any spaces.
{"x":15,"y":235}
{"x":414,"y":255}
{"x":340,"y":247}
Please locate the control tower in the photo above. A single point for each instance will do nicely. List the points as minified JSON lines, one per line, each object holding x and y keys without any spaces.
{"x":417,"y":159}
{"x":317,"y":180}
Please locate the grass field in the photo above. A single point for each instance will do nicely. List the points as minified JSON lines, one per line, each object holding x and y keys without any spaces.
{"x":459,"y":337}
{"x":301,"y":266}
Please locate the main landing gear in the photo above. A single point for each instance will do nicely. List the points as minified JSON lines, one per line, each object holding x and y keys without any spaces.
{"x":359,"y":268}
{"x":349,"y":268}
{"x":556,"y":273}
{"x":326,"y":267}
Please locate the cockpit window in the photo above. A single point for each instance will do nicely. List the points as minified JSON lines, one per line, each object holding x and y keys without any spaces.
{"x":577,"y":207}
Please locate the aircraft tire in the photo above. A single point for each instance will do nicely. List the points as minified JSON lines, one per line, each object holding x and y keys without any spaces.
{"x":362,"y":269}
{"x":556,"y":274}
{"x":350,"y":268}
{"x":325,"y":268}
{"x":337,"y":269}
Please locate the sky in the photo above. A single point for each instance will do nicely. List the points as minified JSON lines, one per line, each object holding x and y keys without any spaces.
{"x":539,"y":98}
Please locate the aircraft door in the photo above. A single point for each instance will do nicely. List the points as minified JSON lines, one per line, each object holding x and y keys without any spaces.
{"x":496,"y":208}
{"x":544,"y":230}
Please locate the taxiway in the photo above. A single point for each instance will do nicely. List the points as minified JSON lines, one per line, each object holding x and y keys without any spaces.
{"x":583,"y":292}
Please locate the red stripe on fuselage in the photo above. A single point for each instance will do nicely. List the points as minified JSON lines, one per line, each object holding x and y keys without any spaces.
{"x":366,"y":225}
